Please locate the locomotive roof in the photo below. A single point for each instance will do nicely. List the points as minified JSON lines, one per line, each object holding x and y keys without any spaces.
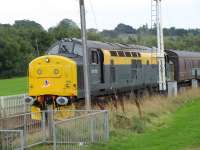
{"x":185,"y":54}
{"x":113,"y":46}
{"x":72,"y":47}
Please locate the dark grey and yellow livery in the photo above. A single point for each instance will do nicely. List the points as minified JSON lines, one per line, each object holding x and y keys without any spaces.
{"x":57,"y":78}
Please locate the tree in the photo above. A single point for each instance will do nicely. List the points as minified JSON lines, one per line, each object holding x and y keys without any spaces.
{"x":124,"y":29}
{"x":27,"y":24}
{"x":19,"y":42}
{"x":65,"y":29}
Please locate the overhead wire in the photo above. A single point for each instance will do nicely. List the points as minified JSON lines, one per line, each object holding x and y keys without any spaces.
{"x":93,"y":13}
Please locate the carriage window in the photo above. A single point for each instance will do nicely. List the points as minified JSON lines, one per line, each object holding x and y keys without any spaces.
{"x":113,"y":53}
{"x":190,"y":64}
{"x":94,"y":57}
{"x":128,"y":54}
{"x":121,"y":53}
{"x":193,"y":63}
{"x":78,"y":49}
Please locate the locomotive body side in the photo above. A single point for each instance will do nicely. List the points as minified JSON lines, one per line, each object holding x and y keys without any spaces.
{"x":118,"y":71}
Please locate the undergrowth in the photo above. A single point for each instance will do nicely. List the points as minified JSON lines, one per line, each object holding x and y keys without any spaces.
{"x":156,"y":111}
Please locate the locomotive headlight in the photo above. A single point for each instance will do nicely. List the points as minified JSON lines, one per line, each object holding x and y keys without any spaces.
{"x":29,"y":100}
{"x":47,"y":60}
{"x":62,"y":100}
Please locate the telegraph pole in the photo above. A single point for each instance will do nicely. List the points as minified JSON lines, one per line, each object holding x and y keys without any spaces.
{"x":85,"y":56}
{"x":156,"y":12}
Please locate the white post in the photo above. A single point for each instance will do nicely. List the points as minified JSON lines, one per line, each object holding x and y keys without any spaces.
{"x":54,"y":136}
{"x":172,"y":88}
{"x":2,"y":106}
{"x":194,"y":83}
{"x":24,"y":103}
{"x":50,"y":122}
{"x":43,"y":121}
{"x":22,"y":139}
{"x":85,"y":56}
{"x":160,"y":49}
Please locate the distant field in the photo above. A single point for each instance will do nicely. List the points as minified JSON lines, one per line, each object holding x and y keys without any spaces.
{"x":13,"y":86}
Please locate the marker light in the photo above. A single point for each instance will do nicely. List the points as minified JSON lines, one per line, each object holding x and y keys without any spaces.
{"x":39,"y":71}
{"x":56,"y":71}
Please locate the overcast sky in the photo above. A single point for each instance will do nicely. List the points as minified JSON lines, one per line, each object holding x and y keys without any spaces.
{"x":101,"y":14}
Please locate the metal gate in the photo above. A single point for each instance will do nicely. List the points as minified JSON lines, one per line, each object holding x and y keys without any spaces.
{"x":75,"y":133}
{"x":34,"y":131}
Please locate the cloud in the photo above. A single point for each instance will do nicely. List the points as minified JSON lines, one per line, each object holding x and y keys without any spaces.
{"x":102,"y":14}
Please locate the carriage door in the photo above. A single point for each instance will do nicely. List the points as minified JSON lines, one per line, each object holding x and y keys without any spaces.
{"x":95,"y":72}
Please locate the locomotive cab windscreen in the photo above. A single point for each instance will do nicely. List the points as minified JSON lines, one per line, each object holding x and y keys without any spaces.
{"x":66,"y":47}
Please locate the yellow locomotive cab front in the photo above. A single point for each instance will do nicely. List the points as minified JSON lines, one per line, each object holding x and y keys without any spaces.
{"x":52,"y":75}
{"x":52,"y":81}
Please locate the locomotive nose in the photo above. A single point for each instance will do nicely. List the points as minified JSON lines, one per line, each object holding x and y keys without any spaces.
{"x":52,"y":75}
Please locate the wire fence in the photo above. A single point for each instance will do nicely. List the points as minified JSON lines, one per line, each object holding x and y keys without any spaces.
{"x":12,"y":105}
{"x":65,"y":130}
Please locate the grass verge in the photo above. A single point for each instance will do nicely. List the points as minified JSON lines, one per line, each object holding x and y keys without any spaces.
{"x":167,"y":124}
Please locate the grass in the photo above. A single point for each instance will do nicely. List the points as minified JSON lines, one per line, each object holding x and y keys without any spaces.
{"x":13,"y":86}
{"x":167,"y":124}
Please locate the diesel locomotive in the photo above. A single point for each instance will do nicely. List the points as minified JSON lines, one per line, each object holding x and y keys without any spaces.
{"x":57,"y":78}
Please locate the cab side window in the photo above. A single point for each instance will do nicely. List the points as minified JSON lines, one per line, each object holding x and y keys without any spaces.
{"x":94,"y":57}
